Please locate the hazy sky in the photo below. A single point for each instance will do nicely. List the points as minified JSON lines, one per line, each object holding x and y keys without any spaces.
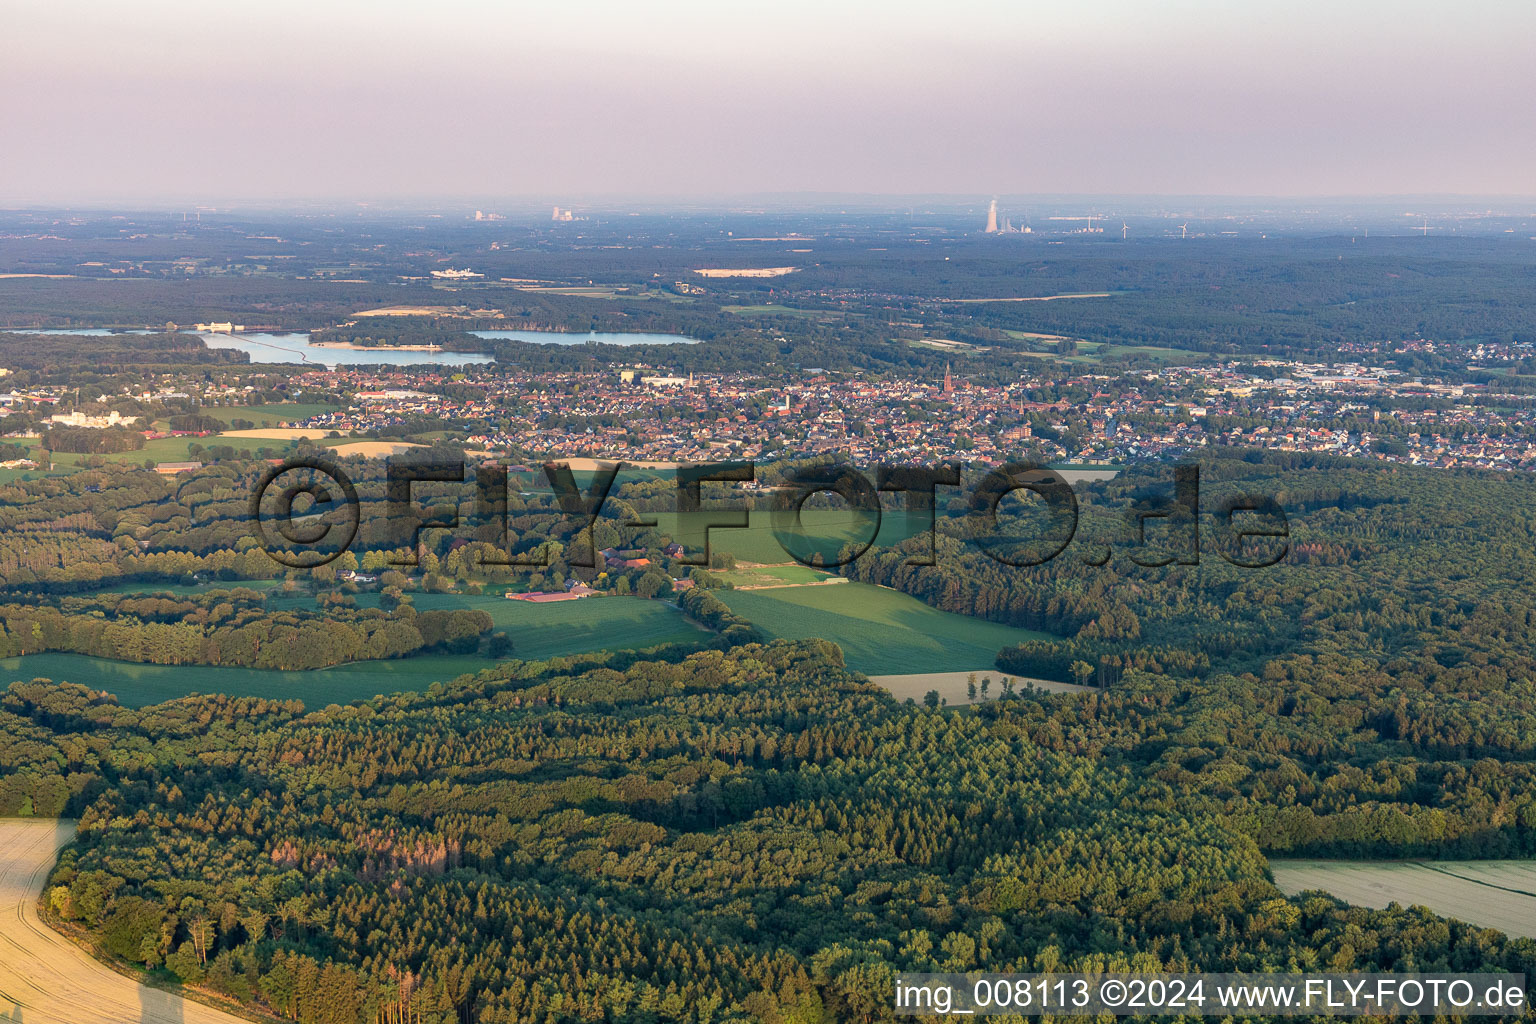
{"x":218,"y":99}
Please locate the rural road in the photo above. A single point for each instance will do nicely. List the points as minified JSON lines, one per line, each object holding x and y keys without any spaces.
{"x":45,"y":978}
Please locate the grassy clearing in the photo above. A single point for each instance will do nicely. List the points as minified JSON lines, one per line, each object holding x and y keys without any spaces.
{"x":267,"y":415}
{"x":183,"y":589}
{"x":1039,"y":298}
{"x":881,"y":632}
{"x":1036,"y":336}
{"x":774,"y":310}
{"x":1098,"y":352}
{"x":537,"y":632}
{"x":178,"y":449}
{"x":571,"y":627}
{"x":777,"y":576}
{"x":10,"y":476}
{"x":1493,"y":894}
{"x":163,"y":449}
{"x":581,"y":291}
{"x":940,"y":345}
{"x":827,"y":529}
{"x":952,"y":686}
{"x":549,"y":630}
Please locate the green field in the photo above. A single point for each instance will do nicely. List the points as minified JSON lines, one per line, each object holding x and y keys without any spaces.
{"x":1096,"y":352}
{"x":568,"y":627}
{"x":10,"y":476}
{"x":267,"y":415}
{"x":177,"y":449}
{"x":182,"y":589}
{"x":772,"y":310}
{"x":829,"y":529}
{"x":881,"y":632}
{"x":775,"y":575}
{"x":537,"y":632}
{"x":164,"y":449}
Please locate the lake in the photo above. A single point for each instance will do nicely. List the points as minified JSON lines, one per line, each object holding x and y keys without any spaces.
{"x":295,"y":346}
{"x":591,"y":337}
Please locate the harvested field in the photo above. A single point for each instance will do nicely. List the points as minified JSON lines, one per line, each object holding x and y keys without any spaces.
{"x":278,"y":433}
{"x":951,"y":685}
{"x":374,"y":449}
{"x":1492,"y":893}
{"x":586,"y":465}
{"x":45,"y":978}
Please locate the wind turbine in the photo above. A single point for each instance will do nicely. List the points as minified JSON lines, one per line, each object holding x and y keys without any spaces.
{"x":1184,"y":230}
{"x":1426,"y":227}
{"x":1124,"y":230}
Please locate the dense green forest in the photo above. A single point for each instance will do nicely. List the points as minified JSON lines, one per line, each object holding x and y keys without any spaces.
{"x":106,"y":353}
{"x":853,"y":306}
{"x":234,"y":627}
{"x":742,"y":835}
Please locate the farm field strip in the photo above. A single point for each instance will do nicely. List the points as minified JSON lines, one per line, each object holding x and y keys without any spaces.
{"x":881,"y":631}
{"x":952,"y":685}
{"x":45,"y":978}
{"x":828,"y":529}
{"x":1492,"y":894}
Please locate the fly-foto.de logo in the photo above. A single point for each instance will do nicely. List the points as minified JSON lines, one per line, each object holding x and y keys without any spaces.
{"x":306,"y":512}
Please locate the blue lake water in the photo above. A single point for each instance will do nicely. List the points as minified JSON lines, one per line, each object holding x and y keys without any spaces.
{"x":79,"y":332}
{"x":295,"y":347}
{"x":595,"y":337}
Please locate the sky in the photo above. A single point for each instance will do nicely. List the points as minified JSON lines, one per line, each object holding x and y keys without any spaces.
{"x":187,"y":100}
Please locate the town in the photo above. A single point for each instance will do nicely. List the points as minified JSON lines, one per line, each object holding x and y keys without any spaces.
{"x":1059,"y":414}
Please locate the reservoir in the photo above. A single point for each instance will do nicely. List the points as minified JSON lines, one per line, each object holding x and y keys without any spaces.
{"x":591,"y":337}
{"x":295,"y":346}
{"x":291,"y":347}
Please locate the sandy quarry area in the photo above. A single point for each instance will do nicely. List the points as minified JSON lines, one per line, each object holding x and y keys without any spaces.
{"x":745,"y":271}
{"x":45,"y":978}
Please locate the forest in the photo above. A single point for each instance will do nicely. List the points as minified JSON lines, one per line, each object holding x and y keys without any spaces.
{"x":750,"y":832}
{"x":742,"y":835}
{"x":234,"y":627}
{"x":859,"y":304}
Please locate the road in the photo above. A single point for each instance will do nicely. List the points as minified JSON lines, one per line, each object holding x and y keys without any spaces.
{"x":45,"y":978}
